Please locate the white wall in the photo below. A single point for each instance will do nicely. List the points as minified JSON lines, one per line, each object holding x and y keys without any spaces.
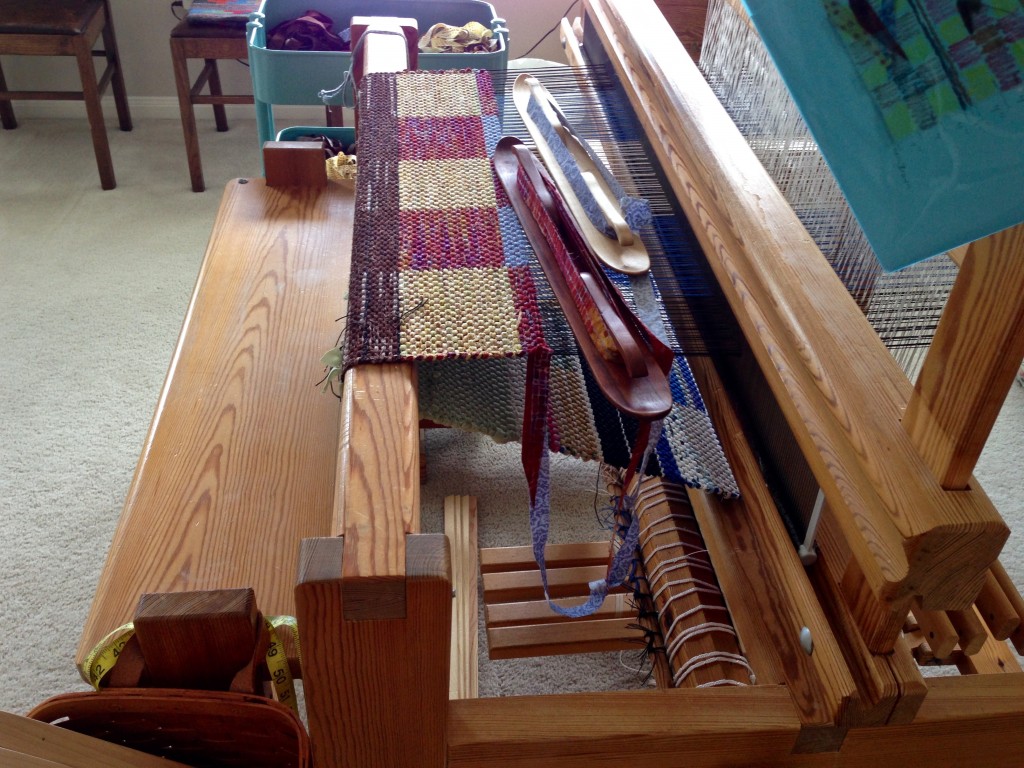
{"x":143,"y":28}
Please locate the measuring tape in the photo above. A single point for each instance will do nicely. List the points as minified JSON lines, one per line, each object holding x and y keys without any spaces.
{"x":103,"y":657}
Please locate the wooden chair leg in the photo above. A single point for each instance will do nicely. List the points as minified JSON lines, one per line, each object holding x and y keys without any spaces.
{"x":188,"y":116}
{"x":94,"y":109}
{"x":124,"y":117}
{"x":220,"y":115}
{"x":7,"y":118}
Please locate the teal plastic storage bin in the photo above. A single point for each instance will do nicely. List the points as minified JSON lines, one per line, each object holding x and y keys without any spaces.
{"x":297,"y":77}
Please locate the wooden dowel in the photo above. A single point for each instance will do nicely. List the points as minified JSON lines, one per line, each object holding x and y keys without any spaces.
{"x":1013,"y":595}
{"x":995,"y":608}
{"x":969,"y":629}
{"x":937,"y":629}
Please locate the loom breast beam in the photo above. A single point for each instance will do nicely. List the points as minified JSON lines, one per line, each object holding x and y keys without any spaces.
{"x":840,"y":391}
{"x":378,"y":585}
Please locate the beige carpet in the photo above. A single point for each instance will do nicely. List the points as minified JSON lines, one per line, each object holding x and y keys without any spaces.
{"x":93,"y":287}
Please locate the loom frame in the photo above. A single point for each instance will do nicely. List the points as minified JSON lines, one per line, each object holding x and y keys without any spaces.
{"x":766,"y":724}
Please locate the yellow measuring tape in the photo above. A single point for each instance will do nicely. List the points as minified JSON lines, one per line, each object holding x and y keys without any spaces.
{"x":103,"y":657}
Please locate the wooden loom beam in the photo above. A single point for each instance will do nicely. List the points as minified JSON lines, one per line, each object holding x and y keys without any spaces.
{"x":973,"y":359}
{"x":837,"y":385}
{"x":379,"y":584}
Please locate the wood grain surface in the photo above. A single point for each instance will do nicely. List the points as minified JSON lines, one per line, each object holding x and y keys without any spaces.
{"x":238,"y":464}
{"x":840,"y":390}
{"x":26,"y":743}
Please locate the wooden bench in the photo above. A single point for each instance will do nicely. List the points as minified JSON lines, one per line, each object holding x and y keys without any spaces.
{"x":239,"y":463}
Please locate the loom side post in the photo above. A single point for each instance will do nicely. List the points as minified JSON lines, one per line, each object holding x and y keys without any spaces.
{"x":973,"y":359}
{"x":378,"y":584}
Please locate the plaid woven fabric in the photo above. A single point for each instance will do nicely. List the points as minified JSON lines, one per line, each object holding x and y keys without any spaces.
{"x":442,"y":274}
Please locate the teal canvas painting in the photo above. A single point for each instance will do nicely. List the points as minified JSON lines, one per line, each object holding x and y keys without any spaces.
{"x":918,"y":108}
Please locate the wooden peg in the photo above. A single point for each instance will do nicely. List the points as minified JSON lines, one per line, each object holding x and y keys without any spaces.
{"x":1013,"y":595}
{"x":996,"y":609}
{"x":937,"y":629}
{"x":969,"y":629}
{"x":197,"y":639}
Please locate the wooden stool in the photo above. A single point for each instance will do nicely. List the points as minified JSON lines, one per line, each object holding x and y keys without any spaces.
{"x":67,"y":28}
{"x":209,"y":42}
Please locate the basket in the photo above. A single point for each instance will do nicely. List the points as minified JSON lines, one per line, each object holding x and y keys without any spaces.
{"x":203,"y":729}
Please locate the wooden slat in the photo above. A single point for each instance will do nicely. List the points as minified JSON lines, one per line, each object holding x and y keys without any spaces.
{"x":669,"y":728}
{"x":580,"y":636}
{"x":494,"y":559}
{"x":539,"y":612}
{"x":837,"y":385}
{"x":460,"y":528}
{"x":519,"y":586}
{"x":877,"y":688}
{"x":238,"y":464}
{"x":912,"y":687}
{"x":26,"y":743}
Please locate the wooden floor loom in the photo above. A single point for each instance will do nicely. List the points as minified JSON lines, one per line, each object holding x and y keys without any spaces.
{"x":773,"y":663}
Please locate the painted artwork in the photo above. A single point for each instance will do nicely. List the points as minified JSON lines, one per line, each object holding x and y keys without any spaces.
{"x":918,"y":107}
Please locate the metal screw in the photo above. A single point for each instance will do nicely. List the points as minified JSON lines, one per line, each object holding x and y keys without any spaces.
{"x":806,"y":641}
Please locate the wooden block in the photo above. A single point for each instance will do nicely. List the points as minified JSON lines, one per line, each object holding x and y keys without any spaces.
{"x":294,"y":164}
{"x":367,"y":704}
{"x":197,"y":639}
{"x":460,"y":528}
{"x":580,"y":636}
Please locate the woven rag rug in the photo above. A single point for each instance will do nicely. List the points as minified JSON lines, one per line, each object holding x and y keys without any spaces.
{"x":443,"y":276}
